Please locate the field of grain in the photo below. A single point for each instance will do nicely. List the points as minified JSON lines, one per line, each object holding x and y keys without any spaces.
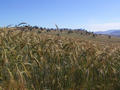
{"x":35,"y":61}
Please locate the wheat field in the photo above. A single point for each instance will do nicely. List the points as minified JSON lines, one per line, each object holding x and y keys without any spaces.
{"x":33,"y":61}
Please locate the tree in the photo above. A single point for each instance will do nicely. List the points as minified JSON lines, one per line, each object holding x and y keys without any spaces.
{"x":70,"y":31}
{"x":109,"y":37}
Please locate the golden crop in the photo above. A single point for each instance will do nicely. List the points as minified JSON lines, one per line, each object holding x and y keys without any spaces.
{"x":33,"y":61}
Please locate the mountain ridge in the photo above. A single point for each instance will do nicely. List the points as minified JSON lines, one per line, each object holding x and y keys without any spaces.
{"x":113,"y":32}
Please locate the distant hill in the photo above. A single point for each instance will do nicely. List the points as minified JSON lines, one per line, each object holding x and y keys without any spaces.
{"x":110,"y":32}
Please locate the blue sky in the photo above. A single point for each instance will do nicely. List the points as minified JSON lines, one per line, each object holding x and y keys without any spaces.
{"x":93,"y":15}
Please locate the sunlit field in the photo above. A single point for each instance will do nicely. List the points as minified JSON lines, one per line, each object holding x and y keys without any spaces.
{"x":58,"y":60}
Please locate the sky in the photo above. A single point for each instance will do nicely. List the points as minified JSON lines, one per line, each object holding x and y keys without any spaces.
{"x":93,"y":15}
